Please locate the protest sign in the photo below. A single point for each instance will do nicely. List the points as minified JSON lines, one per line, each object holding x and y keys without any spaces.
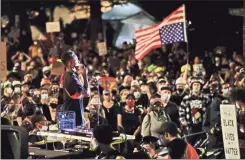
{"x":3,"y":61}
{"x":102,"y":48}
{"x":229,"y":131}
{"x":52,"y":27}
{"x":36,"y":34}
{"x":58,"y":68}
{"x":107,"y":83}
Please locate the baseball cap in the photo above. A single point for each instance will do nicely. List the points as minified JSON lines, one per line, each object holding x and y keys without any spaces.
{"x":106,"y":92}
{"x":46,"y":68}
{"x":161,"y":80}
{"x":166,"y":88}
{"x":14,"y":83}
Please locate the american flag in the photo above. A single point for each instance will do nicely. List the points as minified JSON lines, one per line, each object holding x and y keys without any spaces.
{"x":171,"y":29}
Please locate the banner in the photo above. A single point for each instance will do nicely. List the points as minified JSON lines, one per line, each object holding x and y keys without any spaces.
{"x":58,"y":68}
{"x":52,"y":27}
{"x":3,"y":61}
{"x":229,"y":131}
{"x":107,"y":83}
{"x":102,"y":48}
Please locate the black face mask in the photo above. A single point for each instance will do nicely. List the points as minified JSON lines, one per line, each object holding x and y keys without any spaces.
{"x":53,"y":105}
{"x":11,"y":108}
{"x":47,"y":74}
{"x":36,"y":99}
{"x":180,"y":90}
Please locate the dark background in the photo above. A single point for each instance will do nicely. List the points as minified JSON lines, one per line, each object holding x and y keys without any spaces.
{"x":211,"y":21}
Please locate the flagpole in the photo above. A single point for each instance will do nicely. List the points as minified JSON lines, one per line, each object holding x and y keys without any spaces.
{"x":185,"y":34}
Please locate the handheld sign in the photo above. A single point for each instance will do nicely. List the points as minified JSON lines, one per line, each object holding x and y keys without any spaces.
{"x":3,"y":61}
{"x":102,"y":48}
{"x":229,"y":131}
{"x":107,"y":83}
{"x":52,"y":27}
{"x":58,"y":68}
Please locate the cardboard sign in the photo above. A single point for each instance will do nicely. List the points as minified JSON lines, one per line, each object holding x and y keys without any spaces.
{"x":107,"y":83}
{"x":58,"y":68}
{"x":52,"y":27}
{"x":229,"y":131}
{"x":3,"y":61}
{"x":102,"y":48}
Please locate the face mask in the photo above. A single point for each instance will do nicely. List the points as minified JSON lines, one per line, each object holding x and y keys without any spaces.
{"x":11,"y":108}
{"x":130,"y":103}
{"x":17,"y":90}
{"x":180,"y":90}
{"x":47,"y":74}
{"x":226,"y":92}
{"x":166,"y":97}
{"x":53,"y":105}
{"x":36,"y":99}
{"x":137,"y":95}
{"x":44,"y":96}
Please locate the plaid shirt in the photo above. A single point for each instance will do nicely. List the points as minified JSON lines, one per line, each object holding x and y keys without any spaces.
{"x":193,"y":109}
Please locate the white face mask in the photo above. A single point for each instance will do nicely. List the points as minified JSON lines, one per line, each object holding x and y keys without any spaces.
{"x":137,"y":95}
{"x":44,"y":96}
{"x":17,"y":90}
{"x":166,"y":97}
{"x":226,"y":92}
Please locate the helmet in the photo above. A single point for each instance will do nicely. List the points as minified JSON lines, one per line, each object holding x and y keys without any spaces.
{"x":197,"y":80}
{"x":180,"y":80}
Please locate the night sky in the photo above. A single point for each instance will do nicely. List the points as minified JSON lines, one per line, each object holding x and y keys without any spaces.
{"x":211,"y":20}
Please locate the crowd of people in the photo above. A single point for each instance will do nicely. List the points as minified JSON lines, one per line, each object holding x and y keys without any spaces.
{"x":168,"y":85}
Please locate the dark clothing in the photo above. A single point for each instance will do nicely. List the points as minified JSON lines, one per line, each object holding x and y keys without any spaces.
{"x":130,"y":121}
{"x":143,"y":101}
{"x":110,"y":155}
{"x":27,"y":125}
{"x":176,"y":148}
{"x":73,"y":86}
{"x":111,"y":115}
{"x":176,"y":98}
{"x":172,"y":110}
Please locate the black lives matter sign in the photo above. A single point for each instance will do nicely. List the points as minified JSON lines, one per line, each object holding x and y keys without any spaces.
{"x":229,"y":131}
{"x":3,"y":61}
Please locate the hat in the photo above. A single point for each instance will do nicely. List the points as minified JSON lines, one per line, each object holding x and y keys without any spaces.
{"x":134,"y":83}
{"x":159,"y":69}
{"x":166,"y":88}
{"x":161,"y":80}
{"x":151,"y":68}
{"x":5,"y":84}
{"x":106,"y":92}
{"x":46,"y":68}
{"x":180,"y":80}
{"x":16,"y":83}
{"x":197,"y":80}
